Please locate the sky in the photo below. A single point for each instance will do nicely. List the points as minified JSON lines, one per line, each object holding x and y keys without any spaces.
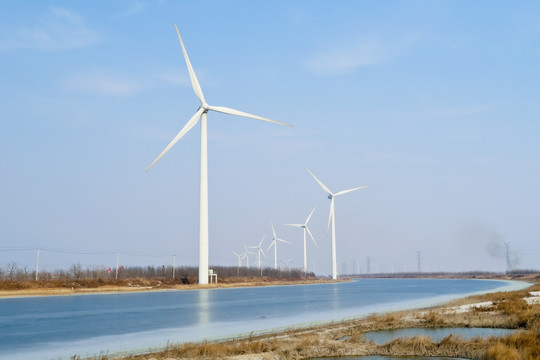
{"x":433,"y":103}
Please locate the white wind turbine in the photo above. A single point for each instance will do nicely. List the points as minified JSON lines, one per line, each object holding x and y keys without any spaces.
{"x":274,"y":242}
{"x":306,"y":229}
{"x":331,"y":218}
{"x":247,"y":253}
{"x":259,"y":251}
{"x":202,"y":115}
{"x":239,"y":257}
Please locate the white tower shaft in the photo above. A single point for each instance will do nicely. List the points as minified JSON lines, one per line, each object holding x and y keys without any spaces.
{"x":275,"y":254}
{"x":203,"y":217}
{"x":305,"y":255}
{"x":334,"y":259}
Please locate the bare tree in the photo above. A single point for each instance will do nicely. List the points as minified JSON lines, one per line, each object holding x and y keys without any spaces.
{"x":76,"y":270}
{"x":11,"y":269}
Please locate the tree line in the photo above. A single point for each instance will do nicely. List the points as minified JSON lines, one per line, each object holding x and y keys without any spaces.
{"x":76,"y":272}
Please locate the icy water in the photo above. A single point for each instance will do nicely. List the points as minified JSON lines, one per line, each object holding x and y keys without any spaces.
{"x":436,"y":334}
{"x":61,"y":326}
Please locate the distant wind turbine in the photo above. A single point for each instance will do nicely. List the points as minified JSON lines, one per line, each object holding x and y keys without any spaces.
{"x":247,"y":253}
{"x":306,"y":229}
{"x":259,"y":251}
{"x":202,"y":115}
{"x":239,"y":257}
{"x":287,"y":263}
{"x":331,"y":218}
{"x":274,"y":243}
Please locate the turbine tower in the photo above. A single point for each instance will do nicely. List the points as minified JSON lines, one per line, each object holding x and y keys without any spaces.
{"x":331,"y":218}
{"x":259,"y":251}
{"x":306,"y":229}
{"x":274,"y":242}
{"x":202,"y":115}
{"x":239,"y":257}
{"x":247,"y":254}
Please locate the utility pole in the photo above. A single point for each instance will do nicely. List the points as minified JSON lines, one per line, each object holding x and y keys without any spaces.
{"x":174,"y":265}
{"x":418,"y":253}
{"x":117,"y":262}
{"x":37,"y":263}
{"x":368,"y":264}
{"x":508,"y":264}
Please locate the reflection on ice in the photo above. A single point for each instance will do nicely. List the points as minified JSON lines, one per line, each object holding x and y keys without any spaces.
{"x":203,"y":306}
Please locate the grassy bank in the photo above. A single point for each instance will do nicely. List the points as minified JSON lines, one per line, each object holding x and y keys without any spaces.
{"x":62,"y":287}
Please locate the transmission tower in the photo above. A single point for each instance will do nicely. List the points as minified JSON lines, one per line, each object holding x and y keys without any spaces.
{"x":508,"y":264}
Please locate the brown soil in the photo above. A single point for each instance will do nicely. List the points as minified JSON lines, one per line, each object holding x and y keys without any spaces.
{"x":57,"y":287}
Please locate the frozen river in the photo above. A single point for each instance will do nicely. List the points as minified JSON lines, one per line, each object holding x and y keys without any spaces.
{"x":62,"y":326}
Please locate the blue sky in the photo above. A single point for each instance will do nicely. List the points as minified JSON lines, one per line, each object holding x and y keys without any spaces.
{"x":432,"y":102}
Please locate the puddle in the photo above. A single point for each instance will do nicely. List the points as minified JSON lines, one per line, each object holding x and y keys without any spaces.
{"x":436,"y":334}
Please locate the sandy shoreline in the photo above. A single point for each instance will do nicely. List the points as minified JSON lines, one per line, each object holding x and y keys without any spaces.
{"x":107,"y":289}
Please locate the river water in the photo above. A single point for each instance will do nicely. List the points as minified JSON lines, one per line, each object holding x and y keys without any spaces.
{"x":58,"y":327}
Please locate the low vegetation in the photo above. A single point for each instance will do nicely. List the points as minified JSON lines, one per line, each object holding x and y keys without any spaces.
{"x":76,"y":278}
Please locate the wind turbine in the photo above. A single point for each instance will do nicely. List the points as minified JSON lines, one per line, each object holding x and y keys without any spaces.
{"x":306,"y":229}
{"x":259,"y":251}
{"x":239,"y":257}
{"x":202,"y":115}
{"x":287,"y":263}
{"x":247,"y":254}
{"x":331,"y":218}
{"x":274,"y":242}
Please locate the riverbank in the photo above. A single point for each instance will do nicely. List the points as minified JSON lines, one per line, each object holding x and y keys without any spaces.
{"x":514,"y":310}
{"x":138,"y":285}
{"x":15,"y":289}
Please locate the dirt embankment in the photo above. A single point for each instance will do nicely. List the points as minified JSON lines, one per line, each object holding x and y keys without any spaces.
{"x":72,"y":287}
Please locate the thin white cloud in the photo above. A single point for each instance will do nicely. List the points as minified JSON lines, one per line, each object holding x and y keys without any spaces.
{"x":135,"y":7}
{"x":344,"y":60}
{"x":58,"y":28}
{"x":176,"y":78}
{"x":348,"y":57}
{"x":100,"y":83}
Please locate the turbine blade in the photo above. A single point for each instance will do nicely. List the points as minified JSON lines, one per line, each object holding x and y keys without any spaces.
{"x":262,"y":252}
{"x":274,"y":231}
{"x":272,"y":243}
{"x":285,"y":241}
{"x":189,"y":125}
{"x":312,"y":238}
{"x":320,"y":183}
{"x":295,"y":225}
{"x":349,"y":190}
{"x":230,"y":111}
{"x":260,"y":243}
{"x":192,"y":76}
{"x":331,"y":215}
{"x":309,"y":217}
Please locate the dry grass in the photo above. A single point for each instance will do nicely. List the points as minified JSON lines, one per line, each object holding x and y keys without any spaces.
{"x":524,"y":345}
